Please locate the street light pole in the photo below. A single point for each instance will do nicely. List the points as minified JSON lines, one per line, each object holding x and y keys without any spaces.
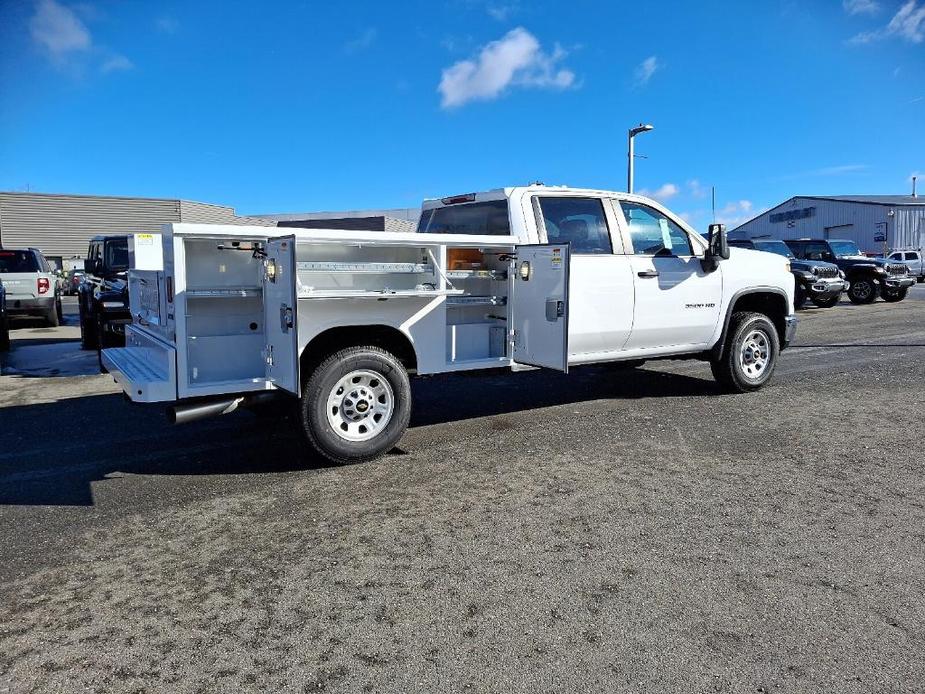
{"x":630,"y":156}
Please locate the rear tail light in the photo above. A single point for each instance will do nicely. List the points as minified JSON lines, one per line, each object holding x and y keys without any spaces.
{"x":44,"y":286}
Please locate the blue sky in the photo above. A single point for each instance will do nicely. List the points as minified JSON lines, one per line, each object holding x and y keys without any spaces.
{"x":274,"y":107}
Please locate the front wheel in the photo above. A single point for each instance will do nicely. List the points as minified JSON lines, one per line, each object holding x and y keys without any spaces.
{"x":750,"y":355}
{"x":894,"y":294}
{"x":356,"y":405}
{"x":862,"y":291}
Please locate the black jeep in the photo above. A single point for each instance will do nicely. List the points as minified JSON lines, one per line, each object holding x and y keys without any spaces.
{"x":103,"y":293}
{"x":816,"y":280}
{"x":867,"y":276}
{"x":4,"y":323}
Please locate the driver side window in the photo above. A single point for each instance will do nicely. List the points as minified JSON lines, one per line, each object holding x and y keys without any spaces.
{"x":653,"y":233}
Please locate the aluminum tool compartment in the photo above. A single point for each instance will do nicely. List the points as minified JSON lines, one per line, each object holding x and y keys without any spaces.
{"x":235,"y":308}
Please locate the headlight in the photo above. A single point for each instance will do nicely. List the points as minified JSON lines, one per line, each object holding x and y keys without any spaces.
{"x":787,"y":265}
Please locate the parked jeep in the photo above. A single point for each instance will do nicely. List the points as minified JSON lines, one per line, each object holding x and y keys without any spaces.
{"x":31,"y":285}
{"x":816,"y":280}
{"x":4,"y":323}
{"x":103,"y":293}
{"x":867,"y":277}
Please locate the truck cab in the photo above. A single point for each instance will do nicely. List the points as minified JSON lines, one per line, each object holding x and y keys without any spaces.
{"x":337,"y":320}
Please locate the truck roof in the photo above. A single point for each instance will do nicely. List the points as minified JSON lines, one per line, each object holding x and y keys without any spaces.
{"x":513,"y":191}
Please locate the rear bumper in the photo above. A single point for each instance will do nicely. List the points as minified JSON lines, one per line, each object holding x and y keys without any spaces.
{"x":31,"y":306}
{"x":790,"y":330}
{"x":145,"y":368}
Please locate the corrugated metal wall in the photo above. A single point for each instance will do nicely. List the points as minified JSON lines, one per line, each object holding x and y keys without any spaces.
{"x":861,"y":222}
{"x":62,"y":225}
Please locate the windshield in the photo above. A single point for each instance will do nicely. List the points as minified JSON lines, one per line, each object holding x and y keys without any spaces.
{"x":844,"y":249}
{"x":778,"y":247}
{"x":117,"y":254}
{"x":18,"y":261}
{"x":474,"y":218}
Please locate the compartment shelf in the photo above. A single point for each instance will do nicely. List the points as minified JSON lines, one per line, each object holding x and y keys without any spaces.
{"x":476,"y":274}
{"x":309,"y":293}
{"x":366,"y":268}
{"x":225,"y":292}
{"x":476,"y":301}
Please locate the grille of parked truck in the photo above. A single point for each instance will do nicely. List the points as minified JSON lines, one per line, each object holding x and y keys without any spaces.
{"x":31,"y":285}
{"x":335,"y":321}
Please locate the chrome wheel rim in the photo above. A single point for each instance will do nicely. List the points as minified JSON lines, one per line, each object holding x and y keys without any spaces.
{"x":862,"y":289}
{"x":360,"y":405}
{"x":755,"y":354}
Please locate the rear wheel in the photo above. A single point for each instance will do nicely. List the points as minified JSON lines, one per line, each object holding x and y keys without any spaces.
{"x":53,"y":317}
{"x":894,"y":295}
{"x":750,"y":354}
{"x":356,"y":405}
{"x":863,"y":290}
{"x":826,"y":303}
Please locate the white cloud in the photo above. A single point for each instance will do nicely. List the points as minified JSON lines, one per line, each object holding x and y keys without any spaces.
{"x":908,"y":23}
{"x":116,"y":63}
{"x":515,"y":60}
{"x":916,"y":100}
{"x":734,"y":213}
{"x":860,"y":6}
{"x":501,"y":12}
{"x":361,"y":42}
{"x":646,"y":69}
{"x":168,"y":25}
{"x":663,"y":193}
{"x":840,"y":170}
{"x":696,"y":189}
{"x":58,"y":30}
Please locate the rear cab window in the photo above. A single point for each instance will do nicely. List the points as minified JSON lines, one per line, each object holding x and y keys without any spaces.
{"x":18,"y":261}
{"x":489,"y":217}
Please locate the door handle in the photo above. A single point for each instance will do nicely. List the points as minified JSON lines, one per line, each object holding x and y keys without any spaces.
{"x":648,"y":273}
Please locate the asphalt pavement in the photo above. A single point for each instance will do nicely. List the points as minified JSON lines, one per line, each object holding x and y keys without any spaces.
{"x":609,"y":530}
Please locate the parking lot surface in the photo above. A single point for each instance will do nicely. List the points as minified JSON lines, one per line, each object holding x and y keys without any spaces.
{"x":610,"y":530}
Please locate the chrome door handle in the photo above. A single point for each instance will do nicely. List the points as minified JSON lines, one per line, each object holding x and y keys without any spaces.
{"x":648,"y":273}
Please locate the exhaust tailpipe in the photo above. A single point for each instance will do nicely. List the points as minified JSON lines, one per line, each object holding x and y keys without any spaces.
{"x":181,"y":414}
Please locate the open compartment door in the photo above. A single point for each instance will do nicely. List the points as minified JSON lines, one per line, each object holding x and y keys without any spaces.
{"x":280,"y":314}
{"x":539,"y":310}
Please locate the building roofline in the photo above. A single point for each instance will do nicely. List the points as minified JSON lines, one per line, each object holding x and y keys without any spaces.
{"x":111,"y":197}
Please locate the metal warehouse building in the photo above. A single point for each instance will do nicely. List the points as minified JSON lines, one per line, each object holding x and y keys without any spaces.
{"x":875,"y":222}
{"x":61,"y":225}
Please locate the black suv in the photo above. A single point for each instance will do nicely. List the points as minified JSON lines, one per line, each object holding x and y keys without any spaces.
{"x":867,"y":276}
{"x":4,"y":323}
{"x":103,"y":293}
{"x":820,"y":282}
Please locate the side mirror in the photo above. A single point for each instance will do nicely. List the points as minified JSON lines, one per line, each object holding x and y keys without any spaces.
{"x":718,"y":247}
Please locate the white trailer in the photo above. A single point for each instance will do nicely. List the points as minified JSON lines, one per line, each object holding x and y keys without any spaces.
{"x":337,"y":321}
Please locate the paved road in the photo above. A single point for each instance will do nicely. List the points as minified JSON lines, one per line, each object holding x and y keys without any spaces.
{"x":605,"y":531}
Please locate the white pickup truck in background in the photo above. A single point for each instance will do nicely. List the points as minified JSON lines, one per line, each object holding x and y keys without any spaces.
{"x":542,"y":276}
{"x":914,"y":260}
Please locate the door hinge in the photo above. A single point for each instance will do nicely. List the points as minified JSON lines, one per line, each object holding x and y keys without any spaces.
{"x":268,"y":354}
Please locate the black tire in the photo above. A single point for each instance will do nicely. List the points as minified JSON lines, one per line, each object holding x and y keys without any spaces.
{"x":731,"y":371}
{"x":53,"y":317}
{"x":89,"y":336}
{"x":826,"y":303}
{"x":4,"y":335}
{"x":799,"y":297}
{"x":323,"y":384}
{"x":862,"y":291}
{"x":894,"y":295}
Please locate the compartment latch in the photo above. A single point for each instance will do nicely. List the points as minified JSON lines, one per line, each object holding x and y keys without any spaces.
{"x":285,"y":318}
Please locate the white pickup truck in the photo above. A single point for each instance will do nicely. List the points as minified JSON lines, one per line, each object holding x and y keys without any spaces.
{"x":542,"y":276}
